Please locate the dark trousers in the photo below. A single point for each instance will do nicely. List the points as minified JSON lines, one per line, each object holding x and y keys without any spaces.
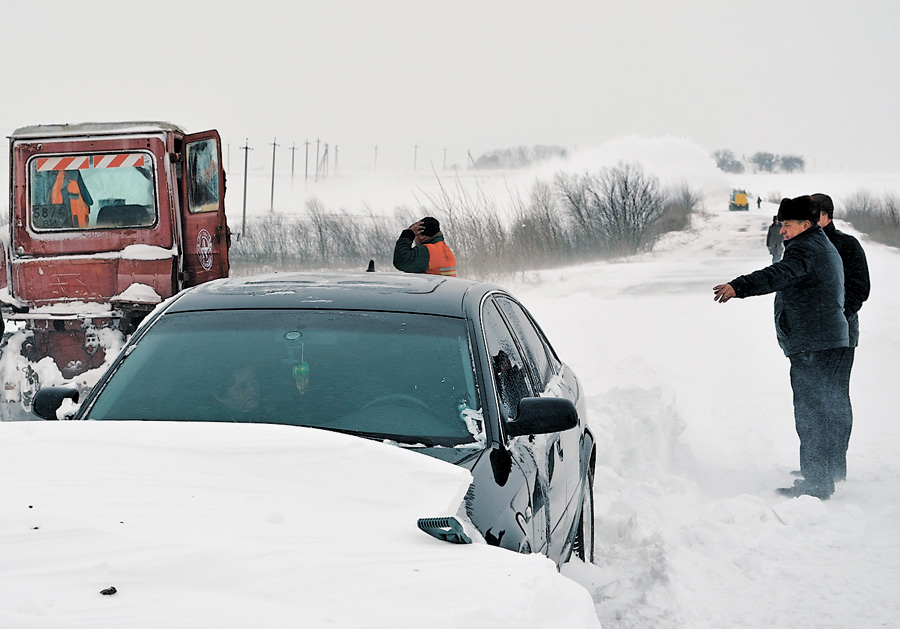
{"x":843,"y":413}
{"x":821,"y":413}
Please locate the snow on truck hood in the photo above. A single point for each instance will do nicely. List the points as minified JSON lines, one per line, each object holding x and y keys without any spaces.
{"x":236,"y":525}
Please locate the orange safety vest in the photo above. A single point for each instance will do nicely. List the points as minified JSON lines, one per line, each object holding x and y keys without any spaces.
{"x":441,"y":260}
{"x":80,"y":210}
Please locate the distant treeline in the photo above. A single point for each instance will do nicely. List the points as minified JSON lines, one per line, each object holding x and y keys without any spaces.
{"x":518,"y":157}
{"x":572,"y":219}
{"x":760,"y":161}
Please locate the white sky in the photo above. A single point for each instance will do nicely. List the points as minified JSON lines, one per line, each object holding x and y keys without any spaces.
{"x":812,"y":78}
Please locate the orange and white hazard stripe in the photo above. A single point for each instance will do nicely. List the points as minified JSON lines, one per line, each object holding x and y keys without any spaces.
{"x":65,"y":162}
{"x":120,"y":160}
{"x":83,"y":162}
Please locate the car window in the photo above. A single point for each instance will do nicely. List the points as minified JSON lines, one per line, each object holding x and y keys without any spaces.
{"x":395,"y":376}
{"x":537,"y":353}
{"x":507,"y":366}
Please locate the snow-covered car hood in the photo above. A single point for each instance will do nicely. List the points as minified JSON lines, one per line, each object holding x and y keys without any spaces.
{"x":235,"y":525}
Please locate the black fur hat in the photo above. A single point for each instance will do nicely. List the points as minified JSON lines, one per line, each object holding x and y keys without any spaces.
{"x":798,"y":209}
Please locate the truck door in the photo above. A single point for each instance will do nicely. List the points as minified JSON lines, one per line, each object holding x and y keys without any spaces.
{"x":204,"y":227}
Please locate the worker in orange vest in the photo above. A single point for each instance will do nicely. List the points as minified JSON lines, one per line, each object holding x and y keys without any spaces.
{"x":69,"y":190}
{"x":421,"y":249}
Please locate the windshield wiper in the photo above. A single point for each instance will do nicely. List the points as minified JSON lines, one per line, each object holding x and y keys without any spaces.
{"x":381,"y":436}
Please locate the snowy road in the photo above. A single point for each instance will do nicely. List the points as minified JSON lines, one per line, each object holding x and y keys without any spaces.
{"x":691,"y":405}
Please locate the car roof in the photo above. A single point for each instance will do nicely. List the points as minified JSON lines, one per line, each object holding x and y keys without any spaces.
{"x":385,"y":292}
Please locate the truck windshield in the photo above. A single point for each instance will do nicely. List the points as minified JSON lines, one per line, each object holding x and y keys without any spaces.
{"x":99,"y":191}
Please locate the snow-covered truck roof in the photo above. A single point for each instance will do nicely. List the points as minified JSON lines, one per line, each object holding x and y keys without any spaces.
{"x":93,"y":128}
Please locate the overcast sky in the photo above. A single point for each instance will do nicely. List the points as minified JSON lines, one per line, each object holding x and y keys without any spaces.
{"x":814,"y":78}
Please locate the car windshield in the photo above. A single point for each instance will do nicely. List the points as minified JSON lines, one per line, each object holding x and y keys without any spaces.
{"x":403,"y":377}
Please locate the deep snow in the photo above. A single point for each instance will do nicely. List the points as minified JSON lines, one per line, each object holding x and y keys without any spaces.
{"x":248,"y":525}
{"x":691,"y":406}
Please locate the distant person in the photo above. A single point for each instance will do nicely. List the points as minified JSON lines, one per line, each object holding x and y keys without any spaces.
{"x":856,"y":291}
{"x":758,"y":203}
{"x":421,"y":249}
{"x":812,"y":331}
{"x":774,"y":240}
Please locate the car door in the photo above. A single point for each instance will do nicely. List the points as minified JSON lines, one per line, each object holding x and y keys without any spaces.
{"x":204,"y":227}
{"x":512,"y":377}
{"x":563,"y":449}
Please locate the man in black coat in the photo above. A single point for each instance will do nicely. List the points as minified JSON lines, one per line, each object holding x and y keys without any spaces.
{"x":774,"y":240}
{"x":812,"y":331}
{"x":856,"y":291}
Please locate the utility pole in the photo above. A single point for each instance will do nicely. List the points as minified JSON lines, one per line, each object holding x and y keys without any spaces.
{"x":306,"y":166}
{"x":336,"y":173}
{"x":317,"y":159}
{"x":246,"y":148}
{"x":324,"y":163}
{"x":272,"y":201}
{"x":293,"y":148}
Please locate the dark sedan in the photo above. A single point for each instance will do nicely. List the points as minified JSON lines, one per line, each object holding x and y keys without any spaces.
{"x":451,"y":368}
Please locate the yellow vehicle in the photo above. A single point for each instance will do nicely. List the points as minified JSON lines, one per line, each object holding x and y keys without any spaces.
{"x":738,"y":200}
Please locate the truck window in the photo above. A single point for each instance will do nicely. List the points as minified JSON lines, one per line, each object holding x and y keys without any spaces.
{"x":203,"y":176}
{"x":101,"y":191}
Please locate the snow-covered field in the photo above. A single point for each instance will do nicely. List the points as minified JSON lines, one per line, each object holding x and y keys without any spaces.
{"x":691,"y":406}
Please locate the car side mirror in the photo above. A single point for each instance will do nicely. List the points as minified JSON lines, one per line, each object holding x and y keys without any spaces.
{"x":542,"y":415}
{"x":47,"y":401}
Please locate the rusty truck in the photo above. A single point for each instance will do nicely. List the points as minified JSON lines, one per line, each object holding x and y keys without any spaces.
{"x":106,"y":220}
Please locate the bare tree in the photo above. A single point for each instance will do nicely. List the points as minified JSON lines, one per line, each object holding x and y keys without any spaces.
{"x":727,"y":162}
{"x":538,"y":236}
{"x":615,"y":207}
{"x":790,"y":163}
{"x":764,"y":162}
{"x":633,"y":203}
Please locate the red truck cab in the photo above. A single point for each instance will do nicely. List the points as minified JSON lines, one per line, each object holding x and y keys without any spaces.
{"x":107,"y":220}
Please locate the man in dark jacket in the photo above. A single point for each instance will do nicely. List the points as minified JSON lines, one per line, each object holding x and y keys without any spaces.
{"x":812,"y":331}
{"x":774,"y":240}
{"x":430,"y":253}
{"x":856,"y":291}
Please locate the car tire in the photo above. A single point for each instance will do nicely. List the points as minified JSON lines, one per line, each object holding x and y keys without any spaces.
{"x":584,"y":534}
